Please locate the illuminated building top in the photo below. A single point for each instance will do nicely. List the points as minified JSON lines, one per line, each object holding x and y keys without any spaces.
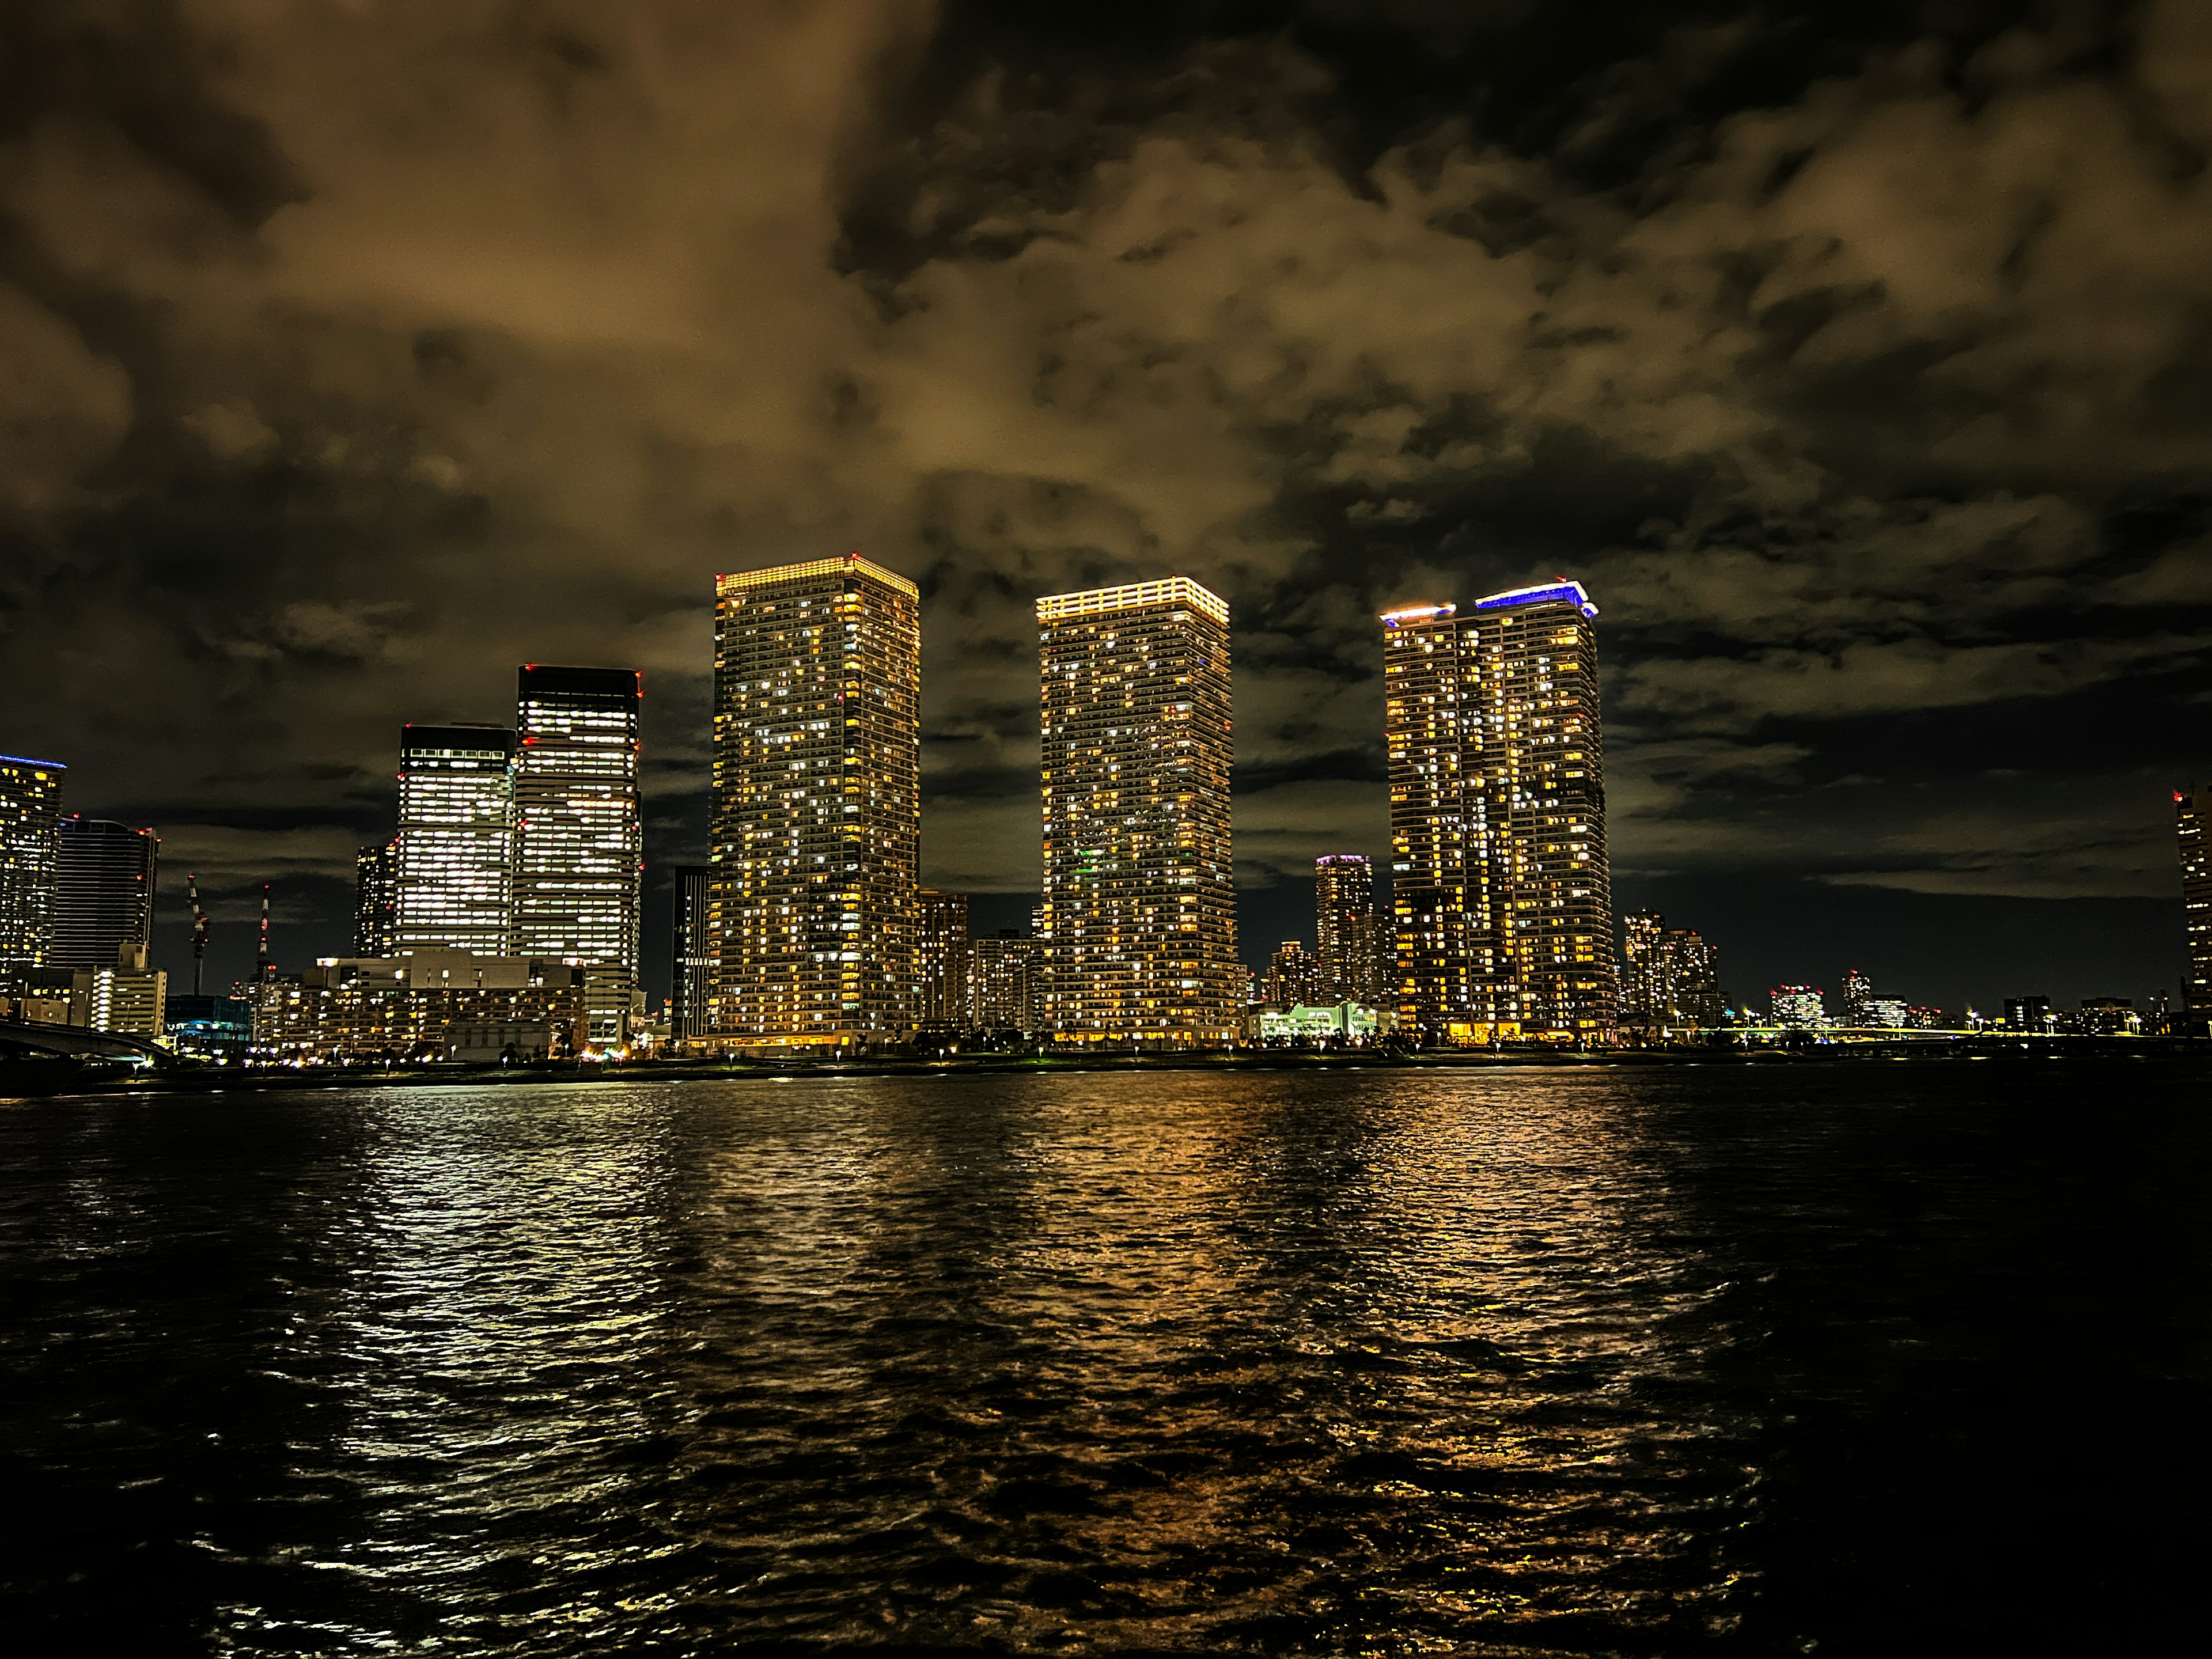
{"x":1562,"y":589}
{"x":1413,"y":613}
{"x":789,"y":572}
{"x":1169,"y":590}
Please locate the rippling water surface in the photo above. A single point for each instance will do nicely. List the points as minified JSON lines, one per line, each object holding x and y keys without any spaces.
{"x":1865,"y":1358}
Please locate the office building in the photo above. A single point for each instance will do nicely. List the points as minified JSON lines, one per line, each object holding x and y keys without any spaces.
{"x":126,"y":1000}
{"x":2110,"y":1017}
{"x":1003,"y":983}
{"x":1669,"y":979}
{"x":1501,"y":887}
{"x":1799,"y":1008}
{"x":207,"y":1028}
{"x":376,"y":899}
{"x":30,"y":808}
{"x":104,"y":877}
{"x":1347,"y":933}
{"x":816,"y":816}
{"x":691,"y":967}
{"x":2029,"y":1015}
{"x":579,"y":839}
{"x":1857,"y":993}
{"x":1140,"y":899}
{"x":940,"y":960}
{"x":2193,"y":820}
{"x":456,"y":886}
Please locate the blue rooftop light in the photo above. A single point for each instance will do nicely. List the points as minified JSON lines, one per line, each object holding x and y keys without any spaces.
{"x":1561,"y":589}
{"x":25,"y":760}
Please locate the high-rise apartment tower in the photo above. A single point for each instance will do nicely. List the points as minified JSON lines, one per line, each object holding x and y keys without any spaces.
{"x":375,"y":899}
{"x":455,"y":886}
{"x":1504,"y":900}
{"x":1139,"y":909}
{"x":941,"y":959}
{"x":1346,"y":932}
{"x":30,"y":807}
{"x":104,"y":877}
{"x":2193,"y":819}
{"x":691,"y":967}
{"x":579,"y":841}
{"x":1669,"y":979}
{"x":817,"y":805}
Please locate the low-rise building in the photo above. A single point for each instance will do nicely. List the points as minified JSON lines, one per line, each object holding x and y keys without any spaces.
{"x":1800,"y":1008}
{"x":402,"y":1008}
{"x":1355,"y":1023}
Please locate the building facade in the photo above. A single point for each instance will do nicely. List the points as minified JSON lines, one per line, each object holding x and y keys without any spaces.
{"x":579,"y":837}
{"x":1669,"y":979}
{"x":1003,"y":984}
{"x":1347,"y":934}
{"x":1502,"y":894}
{"x":817,"y":805}
{"x":1799,"y":1008}
{"x":103,"y":879}
{"x":1139,"y":913}
{"x":399,"y":1008}
{"x":376,"y":899}
{"x":127,"y":999}
{"x":455,"y":884}
{"x":30,"y":812}
{"x":941,"y":959}
{"x":1295,"y":974}
{"x":2193,"y":821}
{"x":691,"y":965}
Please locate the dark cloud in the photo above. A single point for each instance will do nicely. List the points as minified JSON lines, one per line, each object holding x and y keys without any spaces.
{"x":1855,"y":355}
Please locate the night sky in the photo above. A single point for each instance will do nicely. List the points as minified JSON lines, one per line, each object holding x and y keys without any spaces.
{"x":1858,"y":357}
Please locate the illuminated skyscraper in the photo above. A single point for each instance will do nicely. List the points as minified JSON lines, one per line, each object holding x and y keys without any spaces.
{"x":1002,"y":982}
{"x":691,"y":971}
{"x":1504,"y":900}
{"x":1669,"y":979}
{"x":456,"y":860}
{"x":579,"y":842}
{"x":103,"y":892}
{"x":2193,"y":820}
{"x":30,"y":806}
{"x":1294,"y":975}
{"x":375,"y":898}
{"x":817,"y":804}
{"x":1139,"y":908}
{"x":1345,"y":930}
{"x":941,"y":958}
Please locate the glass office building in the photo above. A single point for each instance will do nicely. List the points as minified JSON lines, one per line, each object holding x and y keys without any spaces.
{"x":455,"y":884}
{"x":579,"y":839}
{"x":30,"y":810}
{"x":104,"y":880}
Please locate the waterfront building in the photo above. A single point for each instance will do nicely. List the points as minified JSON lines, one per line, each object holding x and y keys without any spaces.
{"x":579,"y":838}
{"x":1856,"y":997}
{"x":30,"y":809}
{"x":941,"y":959}
{"x":2029,"y":1014}
{"x":455,"y":884}
{"x":1139,"y":902}
{"x":1887,"y":1014}
{"x":691,"y":969}
{"x":1003,"y":983}
{"x":376,"y":899}
{"x":2193,"y":822}
{"x":399,"y":1008}
{"x":1501,"y":887}
{"x":1799,"y":1008}
{"x":1346,"y":1024}
{"x":126,"y":998}
{"x":1294,"y":975}
{"x":1347,"y":933}
{"x":816,"y":814}
{"x":104,"y":877}
{"x":1669,"y":979}
{"x":2110,"y":1017}
{"x":207,"y":1028}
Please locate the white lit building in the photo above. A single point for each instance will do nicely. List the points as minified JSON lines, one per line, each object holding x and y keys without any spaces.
{"x":455,"y":884}
{"x":578,"y":841}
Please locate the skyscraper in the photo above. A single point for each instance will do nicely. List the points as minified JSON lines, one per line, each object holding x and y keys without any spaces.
{"x":579,"y":842}
{"x":1139,"y":902}
{"x":30,"y":804}
{"x":1002,"y":982}
{"x":941,"y":958}
{"x":375,"y":897}
{"x":817,"y":805}
{"x":104,"y":877}
{"x":456,"y":858}
{"x":2193,"y":821}
{"x":1294,"y":975}
{"x":1504,"y":899}
{"x":1346,"y":931}
{"x":691,"y":971}
{"x":1855,"y":999}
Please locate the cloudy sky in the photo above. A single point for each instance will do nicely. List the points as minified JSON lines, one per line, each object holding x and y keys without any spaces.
{"x":1858,"y":357}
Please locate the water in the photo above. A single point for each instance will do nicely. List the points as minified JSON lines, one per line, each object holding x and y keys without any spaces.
{"x":1732,"y":1360}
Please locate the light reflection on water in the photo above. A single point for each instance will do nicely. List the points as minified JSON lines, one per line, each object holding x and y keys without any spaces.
{"x":1368,"y":1362}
